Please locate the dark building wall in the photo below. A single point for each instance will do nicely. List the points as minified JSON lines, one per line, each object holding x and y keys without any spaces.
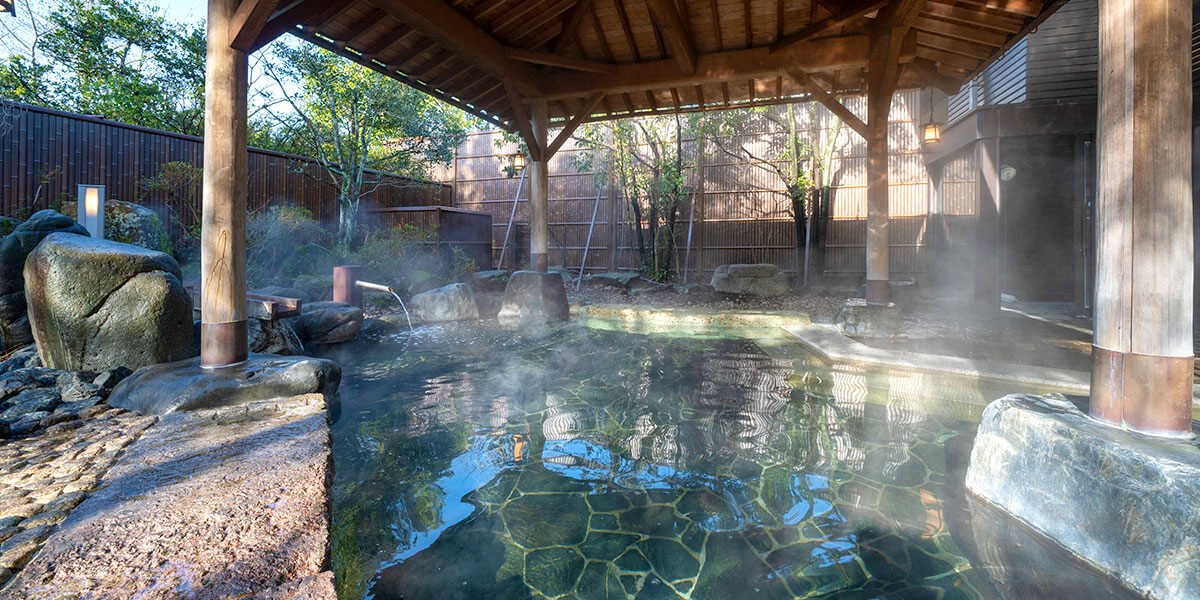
{"x":1057,"y":62}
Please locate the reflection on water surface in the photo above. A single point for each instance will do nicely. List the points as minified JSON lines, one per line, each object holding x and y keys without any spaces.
{"x":477,"y":463}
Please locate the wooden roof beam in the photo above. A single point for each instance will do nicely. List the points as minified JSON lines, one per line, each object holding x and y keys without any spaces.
{"x":677,"y":34}
{"x":828,"y":24}
{"x":570,"y":31}
{"x":926,"y":72}
{"x":569,"y":128}
{"x":735,"y":65}
{"x":450,"y":28}
{"x":524,"y":125}
{"x":296,"y":13}
{"x":248,"y":22}
{"x":556,"y":60}
{"x":828,"y":101}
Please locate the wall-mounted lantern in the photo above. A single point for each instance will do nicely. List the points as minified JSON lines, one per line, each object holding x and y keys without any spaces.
{"x":91,"y":209}
{"x":518,"y":161}
{"x":936,"y":105}
{"x":8,"y":6}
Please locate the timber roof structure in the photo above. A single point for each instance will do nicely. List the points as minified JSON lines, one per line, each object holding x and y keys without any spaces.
{"x":606,"y":59}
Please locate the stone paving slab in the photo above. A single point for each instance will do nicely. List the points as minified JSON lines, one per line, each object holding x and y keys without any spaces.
{"x":221,"y":503}
{"x":835,"y":347}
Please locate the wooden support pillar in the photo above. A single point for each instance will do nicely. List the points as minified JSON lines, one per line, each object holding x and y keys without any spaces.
{"x":878,"y":243}
{"x":539,"y":188}
{"x":1142,"y":353}
{"x":223,"y":233}
{"x":987,"y":244}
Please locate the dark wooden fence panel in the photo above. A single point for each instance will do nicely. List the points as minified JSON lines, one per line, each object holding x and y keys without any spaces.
{"x":45,"y":154}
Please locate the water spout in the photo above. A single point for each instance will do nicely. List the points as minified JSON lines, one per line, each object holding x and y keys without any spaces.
{"x":383,"y":288}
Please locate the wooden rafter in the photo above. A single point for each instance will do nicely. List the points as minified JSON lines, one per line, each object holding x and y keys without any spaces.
{"x":359,"y":28}
{"x":735,"y":65}
{"x":571,"y":26}
{"x":569,"y":128}
{"x":956,"y":31}
{"x":950,"y":12}
{"x":296,"y":13}
{"x":558,"y":60}
{"x":441,"y":22}
{"x":400,"y":76}
{"x":828,"y":24}
{"x":827,"y":100}
{"x":925,"y":70}
{"x":675,"y":30}
{"x":248,"y":22}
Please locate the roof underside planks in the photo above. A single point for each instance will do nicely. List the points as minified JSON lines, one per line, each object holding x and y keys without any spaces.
{"x":647,"y":56}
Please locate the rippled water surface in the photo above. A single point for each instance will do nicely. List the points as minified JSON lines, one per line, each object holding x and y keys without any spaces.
{"x":478,"y":463}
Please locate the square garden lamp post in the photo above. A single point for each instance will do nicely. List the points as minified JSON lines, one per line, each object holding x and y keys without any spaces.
{"x":91,"y":209}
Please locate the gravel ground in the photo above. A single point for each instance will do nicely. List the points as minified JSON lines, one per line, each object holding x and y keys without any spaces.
{"x":222,"y":503}
{"x":43,"y":477}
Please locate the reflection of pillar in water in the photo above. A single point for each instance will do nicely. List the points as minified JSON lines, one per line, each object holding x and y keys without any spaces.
{"x":849,"y":402}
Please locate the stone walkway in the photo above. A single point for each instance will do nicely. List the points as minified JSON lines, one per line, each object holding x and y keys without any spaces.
{"x":44,"y":477}
{"x":222,"y":503}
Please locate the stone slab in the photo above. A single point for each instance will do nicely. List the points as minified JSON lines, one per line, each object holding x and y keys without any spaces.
{"x":835,"y":347}
{"x":223,"y":503}
{"x":1124,"y":502}
{"x":185,"y":385}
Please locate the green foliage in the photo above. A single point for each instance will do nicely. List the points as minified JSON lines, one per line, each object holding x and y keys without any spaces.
{"x":284,"y":240}
{"x":357,"y":123}
{"x":179,"y":183}
{"x":115,"y":58}
{"x":284,"y":244}
{"x":652,"y":160}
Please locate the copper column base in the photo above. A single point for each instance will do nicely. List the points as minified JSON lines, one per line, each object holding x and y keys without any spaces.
{"x":878,"y":291}
{"x":223,"y":344}
{"x":1150,"y":394}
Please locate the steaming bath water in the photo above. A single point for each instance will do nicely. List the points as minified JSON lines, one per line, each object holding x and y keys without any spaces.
{"x":483,"y":463}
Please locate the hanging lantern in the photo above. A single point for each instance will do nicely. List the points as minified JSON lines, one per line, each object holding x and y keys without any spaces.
{"x":91,"y":209}
{"x":932,"y":133}
{"x":518,"y":161}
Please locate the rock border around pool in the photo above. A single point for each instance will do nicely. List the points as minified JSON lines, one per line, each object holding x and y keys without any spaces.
{"x":1122,"y":501}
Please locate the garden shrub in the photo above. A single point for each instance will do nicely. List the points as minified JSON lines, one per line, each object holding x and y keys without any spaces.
{"x":286,"y":246}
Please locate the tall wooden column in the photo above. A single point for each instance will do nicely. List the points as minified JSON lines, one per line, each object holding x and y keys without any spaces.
{"x":223,"y":233}
{"x":539,"y":189}
{"x":1142,"y":352}
{"x":878,"y":243}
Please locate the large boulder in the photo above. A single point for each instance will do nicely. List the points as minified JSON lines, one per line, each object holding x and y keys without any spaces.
{"x":185,"y":385}
{"x":327,"y":323}
{"x":751,"y":280}
{"x":98,"y":304}
{"x":14,"y":248}
{"x":1122,"y":501}
{"x":272,"y":337}
{"x":859,"y":318}
{"x":533,"y":296}
{"x":489,"y":281}
{"x":621,"y":281}
{"x":454,"y":302}
{"x":130,"y":223}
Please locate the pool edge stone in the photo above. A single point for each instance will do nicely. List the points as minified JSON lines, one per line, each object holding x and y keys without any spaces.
{"x":1123,"y":502}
